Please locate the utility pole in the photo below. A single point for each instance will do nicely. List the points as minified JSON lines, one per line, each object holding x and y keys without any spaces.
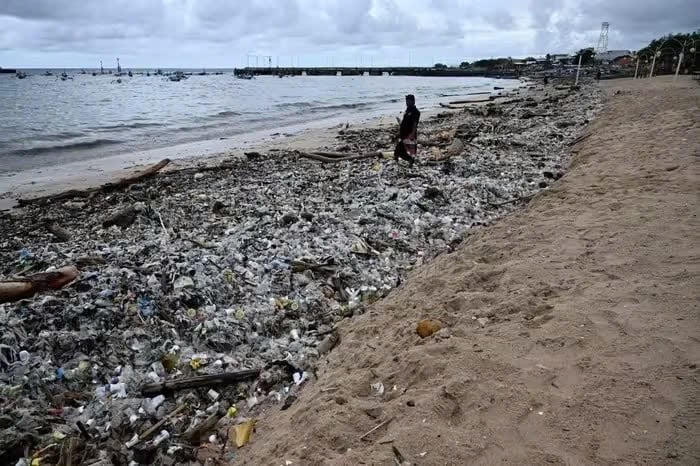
{"x":578,"y":70}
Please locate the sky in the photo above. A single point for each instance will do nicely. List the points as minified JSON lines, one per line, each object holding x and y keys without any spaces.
{"x":229,"y":33}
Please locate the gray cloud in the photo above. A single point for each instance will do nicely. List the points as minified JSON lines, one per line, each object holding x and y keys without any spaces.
{"x":222,"y":33}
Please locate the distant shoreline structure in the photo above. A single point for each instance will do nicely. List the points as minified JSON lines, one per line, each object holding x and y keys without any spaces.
{"x":371,"y":71}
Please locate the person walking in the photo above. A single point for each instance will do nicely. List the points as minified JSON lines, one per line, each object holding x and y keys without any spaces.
{"x":407,"y":146}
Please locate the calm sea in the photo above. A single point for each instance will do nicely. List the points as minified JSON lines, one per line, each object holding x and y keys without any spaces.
{"x":45,"y":121}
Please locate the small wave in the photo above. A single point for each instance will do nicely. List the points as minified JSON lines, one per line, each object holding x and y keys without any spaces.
{"x":325,"y":108}
{"x":135,"y":125}
{"x":227,"y":113}
{"x":294,"y":105}
{"x":65,"y":147}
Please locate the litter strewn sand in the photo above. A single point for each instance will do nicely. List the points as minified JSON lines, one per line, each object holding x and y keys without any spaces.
{"x":570,"y":330}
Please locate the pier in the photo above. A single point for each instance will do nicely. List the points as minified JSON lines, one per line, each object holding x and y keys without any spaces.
{"x":367,"y":71}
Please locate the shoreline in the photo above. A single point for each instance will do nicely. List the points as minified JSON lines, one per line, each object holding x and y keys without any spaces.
{"x":308,"y":136}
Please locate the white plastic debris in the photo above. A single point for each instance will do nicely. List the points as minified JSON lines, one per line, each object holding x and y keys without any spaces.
{"x":377,"y":388}
{"x":299,"y":378}
{"x":154,"y":403}
{"x":164,"y":435}
{"x":24,"y":356}
{"x":252,"y":401}
{"x":118,"y":390}
{"x":134,"y":440}
{"x":213,"y":395}
{"x":183,"y":282}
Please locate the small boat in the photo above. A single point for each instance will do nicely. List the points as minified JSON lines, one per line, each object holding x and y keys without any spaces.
{"x":83,"y":72}
{"x":245,"y":76}
{"x":21,"y":75}
{"x":130,"y":74}
{"x":48,"y":73}
{"x":7,"y":70}
{"x":177,"y":76}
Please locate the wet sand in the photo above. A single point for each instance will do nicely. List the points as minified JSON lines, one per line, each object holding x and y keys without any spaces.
{"x":570,"y":330}
{"x":313,"y":135}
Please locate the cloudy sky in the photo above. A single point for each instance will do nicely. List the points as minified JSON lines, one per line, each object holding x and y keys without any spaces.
{"x":227,"y":33}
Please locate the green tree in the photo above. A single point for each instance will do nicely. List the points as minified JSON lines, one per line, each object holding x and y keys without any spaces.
{"x":670,"y":46}
{"x":440,"y":66}
{"x":464,"y":64}
{"x":490,"y":63}
{"x":586,"y":56}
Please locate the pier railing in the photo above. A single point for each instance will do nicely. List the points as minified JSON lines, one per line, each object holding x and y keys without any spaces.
{"x":363,"y":71}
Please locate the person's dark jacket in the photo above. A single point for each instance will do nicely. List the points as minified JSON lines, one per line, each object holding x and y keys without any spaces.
{"x":411,"y":117}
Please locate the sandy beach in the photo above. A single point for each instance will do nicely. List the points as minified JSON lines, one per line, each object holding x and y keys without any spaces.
{"x":569,"y":330}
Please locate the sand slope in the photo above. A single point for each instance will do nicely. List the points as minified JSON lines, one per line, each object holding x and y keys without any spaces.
{"x":591,"y":349}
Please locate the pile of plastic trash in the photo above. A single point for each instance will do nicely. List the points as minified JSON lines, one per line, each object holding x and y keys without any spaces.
{"x":244,"y":267}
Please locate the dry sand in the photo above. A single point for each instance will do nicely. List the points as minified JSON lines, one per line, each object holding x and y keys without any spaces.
{"x":590,"y":351}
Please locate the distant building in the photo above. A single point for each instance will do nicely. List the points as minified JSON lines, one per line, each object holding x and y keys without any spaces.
{"x":625,"y":60}
{"x":561,"y":58}
{"x":612,"y":56}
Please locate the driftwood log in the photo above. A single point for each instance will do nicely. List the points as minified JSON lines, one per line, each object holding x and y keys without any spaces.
{"x":149,"y":432}
{"x":335,"y":157}
{"x":461,"y":102}
{"x":122,"y":183}
{"x":58,"y":231}
{"x":194,"y":434}
{"x":451,"y":107}
{"x":26,"y":287}
{"x":122,"y":218}
{"x":200,"y":381}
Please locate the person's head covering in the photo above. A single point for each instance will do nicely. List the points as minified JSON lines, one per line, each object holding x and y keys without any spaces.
{"x":411,"y":97}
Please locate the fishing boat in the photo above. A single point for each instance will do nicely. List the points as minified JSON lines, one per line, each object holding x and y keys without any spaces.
{"x":48,"y":73}
{"x":21,"y":75}
{"x":7,"y":70}
{"x":177,"y":76}
{"x":119,"y":69}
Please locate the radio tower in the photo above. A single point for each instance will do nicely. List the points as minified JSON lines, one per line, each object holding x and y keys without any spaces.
{"x":603,"y":39}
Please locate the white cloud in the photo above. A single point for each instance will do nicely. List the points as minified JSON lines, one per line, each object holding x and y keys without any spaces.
{"x":221,"y":33}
